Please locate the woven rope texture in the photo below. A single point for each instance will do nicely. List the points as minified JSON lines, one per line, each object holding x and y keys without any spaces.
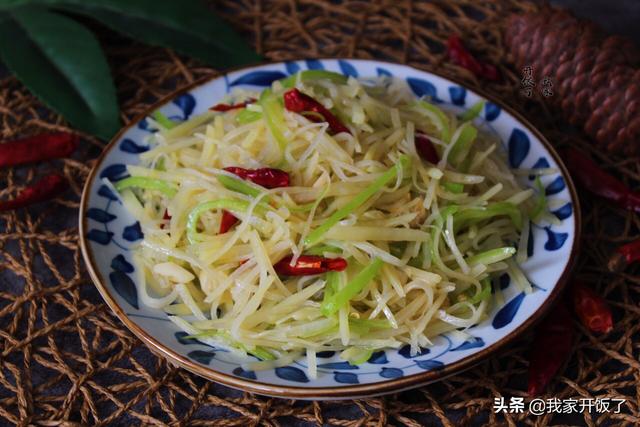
{"x":66,"y":360}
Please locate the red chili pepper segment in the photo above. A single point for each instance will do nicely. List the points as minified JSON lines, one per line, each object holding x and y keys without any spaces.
{"x":298,"y":102}
{"x":624,"y":255}
{"x":46,"y":188}
{"x":551,"y":348}
{"x":227,"y":107}
{"x":592,"y":310}
{"x":38,"y":148}
{"x":425,"y":148}
{"x":599,"y":182}
{"x":227,"y":221}
{"x":165,"y":217}
{"x":461,"y":56}
{"x":265,"y":177}
{"x":307,"y":265}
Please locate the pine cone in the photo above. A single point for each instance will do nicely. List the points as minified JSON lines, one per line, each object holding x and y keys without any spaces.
{"x":595,"y":77}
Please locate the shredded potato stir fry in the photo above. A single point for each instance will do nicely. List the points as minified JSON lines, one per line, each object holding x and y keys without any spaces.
{"x":422,"y":241}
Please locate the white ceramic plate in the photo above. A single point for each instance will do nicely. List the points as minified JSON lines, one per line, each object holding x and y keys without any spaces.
{"x":108,"y":232}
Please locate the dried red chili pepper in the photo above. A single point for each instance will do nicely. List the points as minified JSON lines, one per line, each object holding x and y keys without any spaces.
{"x":624,"y":255}
{"x":227,"y":221}
{"x":551,"y":348}
{"x":300,"y":103}
{"x":425,"y":148}
{"x":37,"y":148}
{"x":592,"y":310}
{"x":165,"y":217}
{"x":461,"y":56}
{"x":227,"y":107}
{"x":599,"y":182}
{"x":46,"y":188}
{"x":307,"y":265}
{"x":265,"y":177}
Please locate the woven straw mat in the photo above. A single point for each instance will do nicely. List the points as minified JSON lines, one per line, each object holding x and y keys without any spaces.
{"x":66,"y":360}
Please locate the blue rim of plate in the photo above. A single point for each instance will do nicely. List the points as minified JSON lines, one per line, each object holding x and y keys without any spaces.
{"x":349,"y":391}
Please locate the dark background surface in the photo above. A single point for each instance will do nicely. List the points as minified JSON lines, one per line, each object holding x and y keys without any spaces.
{"x":615,"y":16}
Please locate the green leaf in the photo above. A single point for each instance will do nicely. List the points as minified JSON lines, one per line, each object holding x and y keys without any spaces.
{"x":62,"y":63}
{"x":186,"y":26}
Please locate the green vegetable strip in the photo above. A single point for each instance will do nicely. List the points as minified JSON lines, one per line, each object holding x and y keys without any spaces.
{"x":309,"y":75}
{"x":462,"y":145}
{"x":541,"y":200}
{"x":453,"y":187}
{"x":274,"y":116}
{"x":363,"y":326}
{"x":319,"y":250}
{"x":355,"y":286}
{"x":233,"y":205}
{"x":238,"y":185}
{"x":445,"y":133}
{"x":148,"y":184}
{"x":484,"y":293}
{"x":247,"y":116}
{"x":437,"y":230}
{"x":316,"y":235}
{"x":464,"y":217}
{"x":260,"y":352}
{"x":163,"y":120}
{"x":302,"y":208}
{"x":331,"y":286}
{"x":357,"y":355}
{"x":492,"y":256}
{"x":472,"y":112}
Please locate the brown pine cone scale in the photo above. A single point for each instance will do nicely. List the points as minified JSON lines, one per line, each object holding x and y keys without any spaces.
{"x":596,"y":78}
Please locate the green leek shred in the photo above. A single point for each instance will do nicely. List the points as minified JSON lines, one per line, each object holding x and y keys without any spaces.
{"x":460,"y":150}
{"x":163,"y":120}
{"x":355,"y":286}
{"x":445,"y":132}
{"x":541,"y":200}
{"x":238,"y":185}
{"x":467,"y":216}
{"x":358,"y":200}
{"x":492,"y":256}
{"x":309,"y":75}
{"x":233,"y":205}
{"x":247,"y":116}
{"x":273,"y":112}
{"x":453,"y":187}
{"x":148,"y":184}
{"x":472,"y":112}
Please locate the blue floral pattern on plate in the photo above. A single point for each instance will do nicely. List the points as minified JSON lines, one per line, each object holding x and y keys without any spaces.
{"x":110,"y":232}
